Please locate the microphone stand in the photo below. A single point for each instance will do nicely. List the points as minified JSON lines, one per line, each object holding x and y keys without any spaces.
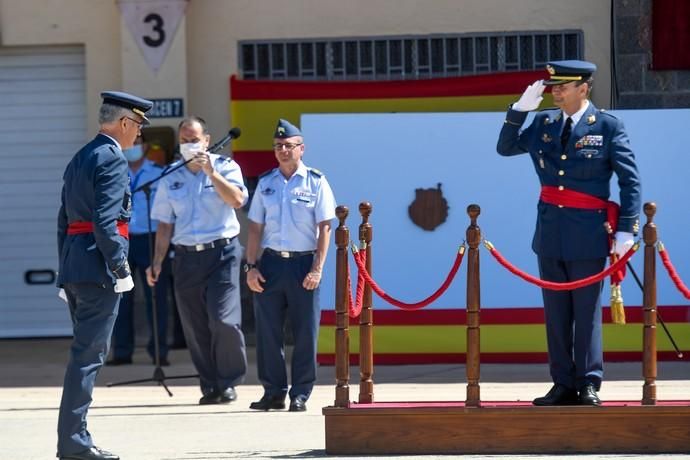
{"x":158,"y":374}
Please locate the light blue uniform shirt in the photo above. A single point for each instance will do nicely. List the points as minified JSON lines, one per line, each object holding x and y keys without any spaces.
{"x":138,"y":223}
{"x":291,"y":209}
{"x":190,"y":201}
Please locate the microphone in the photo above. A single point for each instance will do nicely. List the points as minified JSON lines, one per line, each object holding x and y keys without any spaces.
{"x":234,"y":133}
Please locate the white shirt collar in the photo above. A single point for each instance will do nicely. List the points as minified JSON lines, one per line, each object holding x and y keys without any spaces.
{"x":113,"y":139}
{"x":577,"y":115}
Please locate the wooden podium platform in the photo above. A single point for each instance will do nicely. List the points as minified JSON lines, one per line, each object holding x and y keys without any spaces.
{"x":479,"y":427}
{"x":507,"y":428}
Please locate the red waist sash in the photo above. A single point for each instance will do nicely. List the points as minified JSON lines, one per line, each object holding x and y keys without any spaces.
{"x":578,"y":200}
{"x":79,"y":227}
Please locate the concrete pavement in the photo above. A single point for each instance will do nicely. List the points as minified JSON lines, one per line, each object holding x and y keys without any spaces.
{"x":140,"y":422}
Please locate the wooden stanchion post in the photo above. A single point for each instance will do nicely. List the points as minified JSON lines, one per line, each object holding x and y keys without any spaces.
{"x":649,"y":308}
{"x":342,"y":337}
{"x":366,"y":318}
{"x":473,"y":237}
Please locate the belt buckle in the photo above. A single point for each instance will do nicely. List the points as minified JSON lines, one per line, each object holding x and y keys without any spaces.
{"x":199,"y":247}
{"x":284,"y":254}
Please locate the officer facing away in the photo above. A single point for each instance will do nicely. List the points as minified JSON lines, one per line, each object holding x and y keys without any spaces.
{"x":575,"y":150}
{"x":290,"y":217}
{"x":93,"y":271}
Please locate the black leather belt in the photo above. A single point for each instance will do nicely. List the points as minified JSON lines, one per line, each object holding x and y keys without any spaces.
{"x":288,"y":254}
{"x":219,"y":243}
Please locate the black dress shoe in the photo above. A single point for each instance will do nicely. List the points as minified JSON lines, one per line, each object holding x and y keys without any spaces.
{"x":298,"y":404}
{"x":268,"y":402}
{"x":210,"y":398}
{"x":588,"y":396}
{"x":93,"y":453}
{"x":227,"y":395}
{"x":118,"y":361}
{"x":558,"y":395}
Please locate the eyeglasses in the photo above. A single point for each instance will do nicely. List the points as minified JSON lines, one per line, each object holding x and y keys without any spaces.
{"x":288,"y":147}
{"x":139,"y":123}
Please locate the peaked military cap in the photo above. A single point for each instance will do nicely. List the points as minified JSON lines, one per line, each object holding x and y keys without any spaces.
{"x":286,"y":129}
{"x":561,"y":72}
{"x":128,"y":101}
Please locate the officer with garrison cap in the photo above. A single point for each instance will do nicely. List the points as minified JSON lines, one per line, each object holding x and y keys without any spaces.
{"x":575,"y":149}
{"x":290,"y":218}
{"x":195,"y":208}
{"x":93,"y":271}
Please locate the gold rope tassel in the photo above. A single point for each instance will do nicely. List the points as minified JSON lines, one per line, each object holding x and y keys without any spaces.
{"x":616,"y":302}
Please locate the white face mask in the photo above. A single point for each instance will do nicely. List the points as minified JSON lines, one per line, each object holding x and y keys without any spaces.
{"x":188,"y":150}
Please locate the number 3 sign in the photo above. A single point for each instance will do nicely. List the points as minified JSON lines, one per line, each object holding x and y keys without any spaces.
{"x":153,"y":24}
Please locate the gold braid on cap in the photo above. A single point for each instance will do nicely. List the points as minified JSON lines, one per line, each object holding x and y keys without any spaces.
{"x":139,"y":112}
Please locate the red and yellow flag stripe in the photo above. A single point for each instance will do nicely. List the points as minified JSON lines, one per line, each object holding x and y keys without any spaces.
{"x":258,"y":104}
{"x":508,"y":335}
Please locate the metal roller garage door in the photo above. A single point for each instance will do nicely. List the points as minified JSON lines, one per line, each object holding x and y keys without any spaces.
{"x":42,"y":124}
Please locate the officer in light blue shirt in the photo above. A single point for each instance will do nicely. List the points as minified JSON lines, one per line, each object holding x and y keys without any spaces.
{"x":141,"y":171}
{"x":195,"y":207}
{"x":290,"y":218}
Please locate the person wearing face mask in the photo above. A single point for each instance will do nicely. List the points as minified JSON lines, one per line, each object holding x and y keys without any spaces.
{"x":195,"y":208}
{"x":141,"y":171}
{"x":290,"y":218}
{"x":575,"y":148}
{"x":92,"y":232}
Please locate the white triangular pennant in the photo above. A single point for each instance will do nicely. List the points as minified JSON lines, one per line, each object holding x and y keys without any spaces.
{"x":153,"y":24}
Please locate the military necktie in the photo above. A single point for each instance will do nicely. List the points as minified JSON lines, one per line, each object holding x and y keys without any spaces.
{"x":565,"y":135}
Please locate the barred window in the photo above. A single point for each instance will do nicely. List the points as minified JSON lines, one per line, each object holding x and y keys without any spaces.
{"x":413,"y":57}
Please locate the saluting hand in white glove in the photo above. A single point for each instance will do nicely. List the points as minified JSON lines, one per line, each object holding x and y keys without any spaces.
{"x":622,"y":243}
{"x":531,"y":98}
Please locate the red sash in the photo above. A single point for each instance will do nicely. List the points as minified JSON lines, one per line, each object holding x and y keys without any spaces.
{"x":79,"y":227}
{"x":578,"y":200}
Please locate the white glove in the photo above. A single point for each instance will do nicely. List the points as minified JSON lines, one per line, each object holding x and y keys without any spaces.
{"x":622,"y":242}
{"x":531,"y":98}
{"x":62,"y":295}
{"x":124,"y":284}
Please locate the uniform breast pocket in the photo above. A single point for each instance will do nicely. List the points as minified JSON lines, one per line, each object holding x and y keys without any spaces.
{"x":302,"y":208}
{"x":210,"y":197}
{"x":589,"y":162}
{"x":179,"y":199}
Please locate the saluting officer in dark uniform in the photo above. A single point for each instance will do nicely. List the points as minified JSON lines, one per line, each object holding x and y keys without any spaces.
{"x":575,"y":150}
{"x":92,"y":248}
{"x":290,"y":217}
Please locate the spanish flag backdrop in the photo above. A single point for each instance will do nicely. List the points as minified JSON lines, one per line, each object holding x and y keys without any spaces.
{"x":258,"y":104}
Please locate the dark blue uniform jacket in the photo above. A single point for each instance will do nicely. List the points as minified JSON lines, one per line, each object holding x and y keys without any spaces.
{"x":96,"y":189}
{"x":597,"y":148}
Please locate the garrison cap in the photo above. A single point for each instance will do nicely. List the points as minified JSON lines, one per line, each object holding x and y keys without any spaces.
{"x":286,"y":129}
{"x":128,"y":101}
{"x":561,"y":72}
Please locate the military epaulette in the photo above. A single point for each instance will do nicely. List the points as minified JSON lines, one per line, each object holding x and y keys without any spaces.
{"x":604,"y":112}
{"x":267,"y":173}
{"x":315,"y":172}
{"x":548,"y":108}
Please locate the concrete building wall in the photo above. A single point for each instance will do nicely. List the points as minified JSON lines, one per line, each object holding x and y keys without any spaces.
{"x":638,"y":85}
{"x":203,"y":54}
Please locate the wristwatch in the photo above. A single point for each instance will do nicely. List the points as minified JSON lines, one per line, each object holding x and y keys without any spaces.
{"x":248,"y":267}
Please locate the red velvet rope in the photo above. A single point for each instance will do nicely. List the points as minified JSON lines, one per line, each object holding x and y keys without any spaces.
{"x":673,"y":273}
{"x":355,"y":307}
{"x":555,"y":286}
{"x":403,"y":305}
